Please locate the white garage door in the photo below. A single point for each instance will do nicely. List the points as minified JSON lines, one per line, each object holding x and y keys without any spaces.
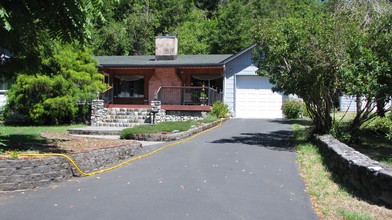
{"x":255,"y":99}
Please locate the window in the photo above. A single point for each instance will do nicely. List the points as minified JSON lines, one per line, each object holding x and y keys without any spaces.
{"x":129,"y":86}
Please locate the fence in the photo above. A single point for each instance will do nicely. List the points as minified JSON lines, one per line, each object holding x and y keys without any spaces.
{"x":107,"y":95}
{"x":188,"y":95}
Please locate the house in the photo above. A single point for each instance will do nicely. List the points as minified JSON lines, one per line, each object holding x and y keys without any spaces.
{"x":189,"y":83}
{"x":4,"y":86}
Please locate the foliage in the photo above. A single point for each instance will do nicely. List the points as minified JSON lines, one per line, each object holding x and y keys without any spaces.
{"x":340,"y":131}
{"x":366,"y":70}
{"x":220,"y":110}
{"x":234,"y":23}
{"x":323,"y":49}
{"x":2,"y":134}
{"x":299,"y":59}
{"x":132,"y":25}
{"x":26,"y":25}
{"x":383,"y":126}
{"x":195,"y":34}
{"x":49,"y":97}
{"x":292,"y":108}
{"x":209,"y":118}
{"x":129,"y":29}
{"x":203,"y":27}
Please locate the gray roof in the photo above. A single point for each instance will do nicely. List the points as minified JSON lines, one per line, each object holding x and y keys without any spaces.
{"x":145,"y":61}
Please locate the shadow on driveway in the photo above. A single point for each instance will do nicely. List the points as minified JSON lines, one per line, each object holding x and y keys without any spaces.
{"x":292,"y":121}
{"x":277,"y":140}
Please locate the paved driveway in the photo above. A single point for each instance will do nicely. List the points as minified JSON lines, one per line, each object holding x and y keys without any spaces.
{"x":244,"y":169}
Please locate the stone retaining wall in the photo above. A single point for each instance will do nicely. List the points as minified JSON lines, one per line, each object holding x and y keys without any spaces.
{"x":172,"y":136}
{"x":30,"y":173}
{"x":369,"y":178}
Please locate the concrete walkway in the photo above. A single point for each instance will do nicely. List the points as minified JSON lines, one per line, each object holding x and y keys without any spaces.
{"x":244,"y":169}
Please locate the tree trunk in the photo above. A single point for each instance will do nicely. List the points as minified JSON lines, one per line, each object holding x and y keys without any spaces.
{"x":358,"y":103}
{"x":380,"y":102}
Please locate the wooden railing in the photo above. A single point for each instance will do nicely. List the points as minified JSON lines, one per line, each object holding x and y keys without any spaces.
{"x":107,"y":95}
{"x":188,"y":95}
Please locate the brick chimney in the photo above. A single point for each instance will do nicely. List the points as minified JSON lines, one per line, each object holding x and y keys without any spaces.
{"x":166,"y":48}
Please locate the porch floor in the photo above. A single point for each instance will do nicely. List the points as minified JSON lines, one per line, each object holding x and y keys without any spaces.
{"x":165,"y":107}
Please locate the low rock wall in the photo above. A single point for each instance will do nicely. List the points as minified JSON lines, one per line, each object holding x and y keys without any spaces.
{"x":368,"y":178}
{"x":30,"y":173}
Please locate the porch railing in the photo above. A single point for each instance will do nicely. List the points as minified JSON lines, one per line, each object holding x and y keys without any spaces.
{"x":107,"y":95}
{"x":188,"y":95}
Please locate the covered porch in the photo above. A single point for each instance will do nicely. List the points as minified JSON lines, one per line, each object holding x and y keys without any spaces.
{"x":178,"y":88}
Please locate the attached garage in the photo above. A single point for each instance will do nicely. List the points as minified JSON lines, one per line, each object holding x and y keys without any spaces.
{"x":255,"y":99}
{"x":247,"y":94}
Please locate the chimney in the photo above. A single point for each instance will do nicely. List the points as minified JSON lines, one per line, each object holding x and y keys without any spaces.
{"x":166,"y":47}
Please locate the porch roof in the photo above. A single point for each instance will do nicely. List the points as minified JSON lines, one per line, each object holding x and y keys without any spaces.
{"x":149,"y":61}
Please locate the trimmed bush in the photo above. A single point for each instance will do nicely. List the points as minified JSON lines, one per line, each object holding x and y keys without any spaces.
{"x":292,"y":108}
{"x":220,"y":110}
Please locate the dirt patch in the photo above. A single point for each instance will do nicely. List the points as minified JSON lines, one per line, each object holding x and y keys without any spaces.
{"x":66,"y":143}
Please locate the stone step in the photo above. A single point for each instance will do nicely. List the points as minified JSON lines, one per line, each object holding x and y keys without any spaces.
{"x":116,"y":124}
{"x":123,"y":120}
{"x":119,"y":117}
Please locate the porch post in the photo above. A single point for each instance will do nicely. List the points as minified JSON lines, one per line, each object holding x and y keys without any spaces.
{"x":97,"y":111}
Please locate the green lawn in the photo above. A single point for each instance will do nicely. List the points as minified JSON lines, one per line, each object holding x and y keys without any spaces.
{"x":21,"y":138}
{"x":161,"y":127}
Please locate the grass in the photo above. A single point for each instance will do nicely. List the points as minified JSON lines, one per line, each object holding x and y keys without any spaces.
{"x":23,"y":138}
{"x":329,"y":199}
{"x":162,"y":127}
{"x":375,"y":146}
{"x":370,"y":143}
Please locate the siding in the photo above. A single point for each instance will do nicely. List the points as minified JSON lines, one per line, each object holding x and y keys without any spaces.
{"x":233,"y":68}
{"x":3,"y":97}
{"x":349,"y":103}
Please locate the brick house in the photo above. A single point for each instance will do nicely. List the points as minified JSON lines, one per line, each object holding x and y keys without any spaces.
{"x":189,"y":83}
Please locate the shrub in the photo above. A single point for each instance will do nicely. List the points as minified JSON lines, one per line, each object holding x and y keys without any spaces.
{"x":340,"y":132}
{"x":382,"y":125}
{"x":220,"y":109}
{"x":209,"y":118}
{"x":292,"y":108}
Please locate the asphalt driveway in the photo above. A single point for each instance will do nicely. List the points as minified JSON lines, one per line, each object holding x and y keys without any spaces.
{"x":244,"y":169}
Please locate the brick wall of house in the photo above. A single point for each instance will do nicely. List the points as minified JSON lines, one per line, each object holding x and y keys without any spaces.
{"x":165,"y":77}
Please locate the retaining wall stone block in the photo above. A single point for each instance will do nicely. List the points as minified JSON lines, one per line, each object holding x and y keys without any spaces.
{"x":30,"y":173}
{"x":368,"y":178}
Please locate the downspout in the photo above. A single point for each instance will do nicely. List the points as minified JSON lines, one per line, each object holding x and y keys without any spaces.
{"x":235,"y":94}
{"x":224,"y":84}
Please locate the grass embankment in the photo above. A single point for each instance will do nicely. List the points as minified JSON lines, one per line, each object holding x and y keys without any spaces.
{"x":164,"y":127}
{"x":22,"y":138}
{"x":329,"y":199}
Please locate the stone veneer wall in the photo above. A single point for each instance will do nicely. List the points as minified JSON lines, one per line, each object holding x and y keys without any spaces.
{"x":128,"y":117}
{"x":30,"y":173}
{"x":369,"y":178}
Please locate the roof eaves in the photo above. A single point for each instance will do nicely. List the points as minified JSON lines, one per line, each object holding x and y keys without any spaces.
{"x":239,"y":53}
{"x":158,"y":65}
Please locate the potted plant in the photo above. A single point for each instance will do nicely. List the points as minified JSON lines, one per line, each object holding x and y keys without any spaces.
{"x":203,"y":97}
